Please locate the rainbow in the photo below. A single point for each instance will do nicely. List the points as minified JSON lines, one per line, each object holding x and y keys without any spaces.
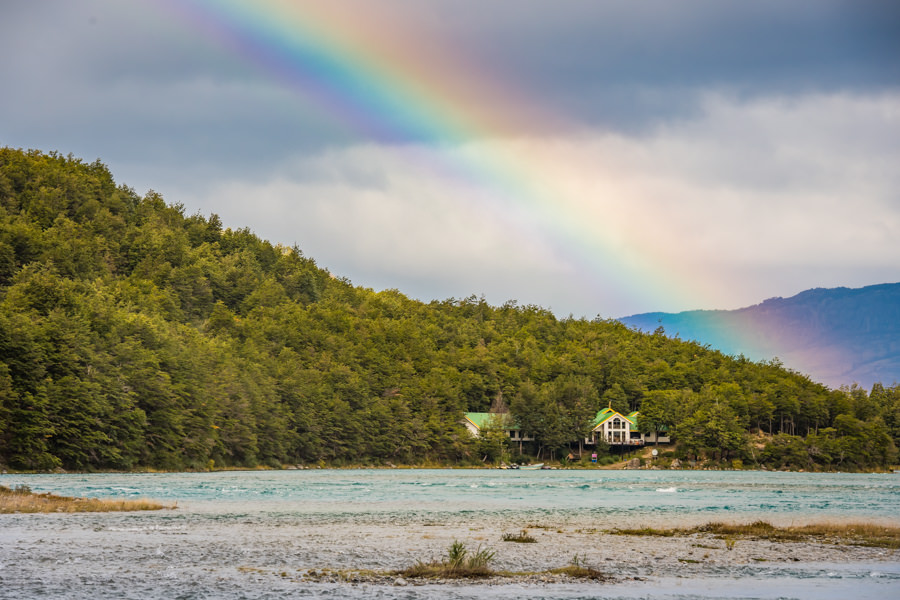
{"x":380,"y":81}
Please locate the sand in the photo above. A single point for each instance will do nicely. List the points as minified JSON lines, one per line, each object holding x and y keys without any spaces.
{"x":394,"y":546}
{"x":154,"y":556}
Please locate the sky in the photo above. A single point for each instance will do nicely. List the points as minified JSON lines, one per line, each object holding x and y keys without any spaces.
{"x":596,"y":158}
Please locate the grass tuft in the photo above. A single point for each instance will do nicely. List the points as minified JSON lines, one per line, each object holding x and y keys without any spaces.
{"x":22,"y":500}
{"x":579,"y":570}
{"x":522,"y":537}
{"x":459,"y":564}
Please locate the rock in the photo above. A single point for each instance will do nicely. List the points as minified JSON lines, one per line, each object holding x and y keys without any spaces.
{"x":400,"y":581}
{"x":676,"y":464}
{"x":634,"y":463}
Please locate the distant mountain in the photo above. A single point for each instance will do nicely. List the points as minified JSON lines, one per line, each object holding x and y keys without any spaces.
{"x":836,"y":336}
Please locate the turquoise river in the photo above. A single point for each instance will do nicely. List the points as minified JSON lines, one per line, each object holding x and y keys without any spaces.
{"x":256,"y":534}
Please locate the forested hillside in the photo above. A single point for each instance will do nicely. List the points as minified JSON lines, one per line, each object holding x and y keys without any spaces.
{"x":134,"y":335}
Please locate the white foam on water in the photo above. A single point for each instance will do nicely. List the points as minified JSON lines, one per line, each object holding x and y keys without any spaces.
{"x":236,"y":545}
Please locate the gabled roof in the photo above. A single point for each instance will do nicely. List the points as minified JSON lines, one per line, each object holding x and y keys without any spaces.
{"x":603,"y":416}
{"x":607,"y":413}
{"x":481,"y":420}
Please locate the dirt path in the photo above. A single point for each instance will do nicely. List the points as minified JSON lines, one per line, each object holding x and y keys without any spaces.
{"x":646,"y":454}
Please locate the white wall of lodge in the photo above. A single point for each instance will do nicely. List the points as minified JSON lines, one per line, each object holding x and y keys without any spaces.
{"x":512,"y":433}
{"x":517,"y":436}
{"x":650,"y":438}
{"x":619,"y":431}
{"x":615,"y":431}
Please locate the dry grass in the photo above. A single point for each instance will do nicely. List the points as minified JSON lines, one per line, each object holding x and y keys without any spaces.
{"x":522,"y":537}
{"x":857,"y":534}
{"x":439,"y":570}
{"x":22,"y":500}
{"x":650,"y":532}
{"x":459,"y":564}
{"x":578,"y":570}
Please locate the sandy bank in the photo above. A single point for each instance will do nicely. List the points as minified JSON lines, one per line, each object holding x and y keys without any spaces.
{"x":245,"y":552}
{"x":395,"y":546}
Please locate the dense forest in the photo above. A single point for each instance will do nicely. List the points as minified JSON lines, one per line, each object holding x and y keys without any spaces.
{"x":134,"y":336}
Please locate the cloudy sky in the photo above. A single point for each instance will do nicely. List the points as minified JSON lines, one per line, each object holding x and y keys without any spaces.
{"x":592,"y":157}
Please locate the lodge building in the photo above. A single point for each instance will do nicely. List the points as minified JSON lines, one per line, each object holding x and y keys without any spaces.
{"x":609,"y":426}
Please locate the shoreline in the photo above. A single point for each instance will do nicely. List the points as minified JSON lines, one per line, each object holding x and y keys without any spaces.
{"x":233,"y":540}
{"x":621,"y":466}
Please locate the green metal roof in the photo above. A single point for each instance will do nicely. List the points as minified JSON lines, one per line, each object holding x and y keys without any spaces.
{"x":607,"y":413}
{"x":481,"y":420}
{"x":603,"y":416}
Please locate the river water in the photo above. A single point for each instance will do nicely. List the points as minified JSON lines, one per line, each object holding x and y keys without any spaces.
{"x":248,"y":534}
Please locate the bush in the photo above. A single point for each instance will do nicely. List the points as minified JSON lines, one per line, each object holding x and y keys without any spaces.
{"x":522,"y":537}
{"x":459,"y":564}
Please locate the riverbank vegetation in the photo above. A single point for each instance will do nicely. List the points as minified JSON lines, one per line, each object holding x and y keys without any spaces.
{"x":21,"y":499}
{"x":133,"y":335}
{"x":459,"y":563}
{"x":523,"y":537}
{"x":856,"y":534}
{"x":577,"y":569}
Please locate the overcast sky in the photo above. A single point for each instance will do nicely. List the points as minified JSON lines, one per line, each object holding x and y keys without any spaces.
{"x":595,"y":158}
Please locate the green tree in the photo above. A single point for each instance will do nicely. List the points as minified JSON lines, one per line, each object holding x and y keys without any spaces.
{"x":714,"y":432}
{"x":658,"y":410}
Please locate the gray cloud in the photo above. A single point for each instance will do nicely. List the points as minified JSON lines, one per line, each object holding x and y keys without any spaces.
{"x":629,"y":65}
{"x":751,"y":200}
{"x":104,"y":70}
{"x":764,"y":133}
